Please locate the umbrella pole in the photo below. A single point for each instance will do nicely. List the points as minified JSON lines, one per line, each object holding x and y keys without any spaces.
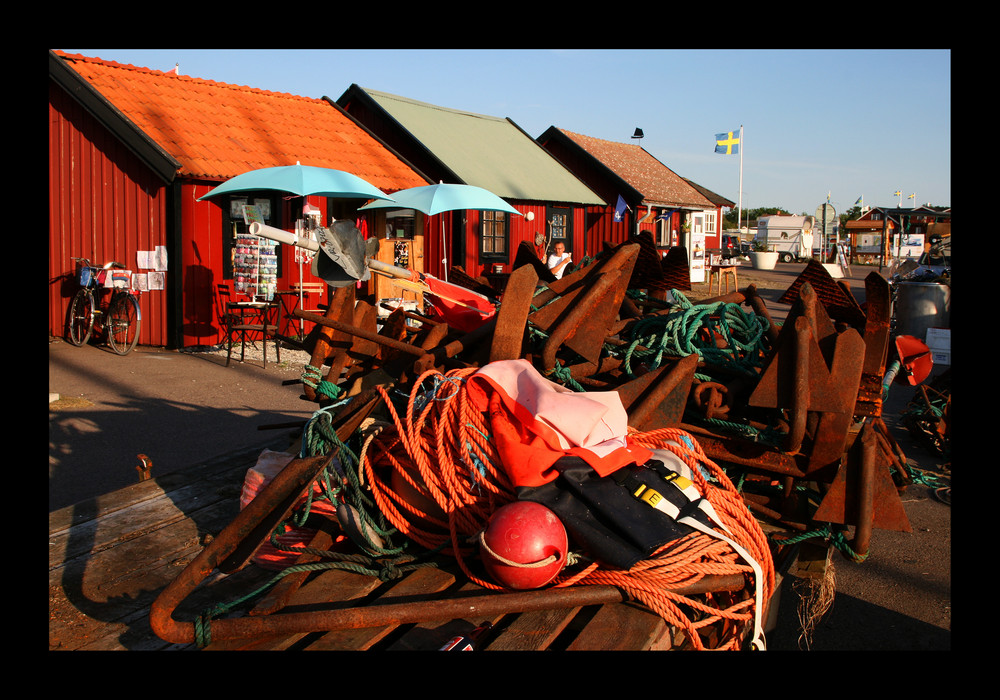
{"x":444,"y":248}
{"x":302,"y":328}
{"x":299,"y":254}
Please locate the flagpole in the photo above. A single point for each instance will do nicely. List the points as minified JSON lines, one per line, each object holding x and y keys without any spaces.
{"x":739,"y":212}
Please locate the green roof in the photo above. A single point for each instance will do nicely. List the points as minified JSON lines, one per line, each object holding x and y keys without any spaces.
{"x":488,"y":152}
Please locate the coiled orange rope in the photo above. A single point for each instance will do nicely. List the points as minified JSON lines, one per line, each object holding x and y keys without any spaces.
{"x":445,"y":442}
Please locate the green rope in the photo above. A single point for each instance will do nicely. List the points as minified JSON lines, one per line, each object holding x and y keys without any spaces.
{"x":312,"y":376}
{"x":563,"y":375}
{"x":770,"y":436}
{"x":383,"y":569}
{"x":925,"y":478}
{"x":677,"y":334}
{"x":836,"y":539}
{"x":319,"y":437}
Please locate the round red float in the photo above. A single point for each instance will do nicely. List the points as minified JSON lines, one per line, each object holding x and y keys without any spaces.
{"x":524,"y":545}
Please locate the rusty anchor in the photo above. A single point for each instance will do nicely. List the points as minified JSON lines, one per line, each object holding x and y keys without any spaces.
{"x":863,"y":493}
{"x":237,"y":542}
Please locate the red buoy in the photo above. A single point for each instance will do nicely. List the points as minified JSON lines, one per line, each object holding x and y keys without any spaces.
{"x":524,"y":546}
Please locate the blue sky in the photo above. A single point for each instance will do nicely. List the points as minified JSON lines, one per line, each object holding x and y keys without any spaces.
{"x":847,"y":123}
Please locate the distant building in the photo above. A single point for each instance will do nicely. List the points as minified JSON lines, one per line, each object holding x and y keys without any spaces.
{"x":881,"y":234}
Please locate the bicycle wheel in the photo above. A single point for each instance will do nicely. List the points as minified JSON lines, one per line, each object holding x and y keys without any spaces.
{"x":122,"y":323}
{"x":81,"y":317}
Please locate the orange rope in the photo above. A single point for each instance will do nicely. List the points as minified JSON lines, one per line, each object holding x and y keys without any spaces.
{"x":446,"y":442}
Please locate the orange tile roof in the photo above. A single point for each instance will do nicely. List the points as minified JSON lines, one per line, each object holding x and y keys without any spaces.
{"x":657,"y":183}
{"x":216,"y":130}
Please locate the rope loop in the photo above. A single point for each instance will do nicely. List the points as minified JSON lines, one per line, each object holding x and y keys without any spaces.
{"x":551,"y":559}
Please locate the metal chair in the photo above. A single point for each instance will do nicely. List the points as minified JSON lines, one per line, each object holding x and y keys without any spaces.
{"x":244,"y":320}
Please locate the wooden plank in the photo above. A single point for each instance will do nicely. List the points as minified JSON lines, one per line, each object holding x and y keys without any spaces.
{"x":420,"y":584}
{"x":620,"y":627}
{"x":110,"y":556}
{"x":434,"y":634}
{"x":813,"y":561}
{"x":218,"y":472}
{"x":327,"y":587}
{"x":532,"y":631}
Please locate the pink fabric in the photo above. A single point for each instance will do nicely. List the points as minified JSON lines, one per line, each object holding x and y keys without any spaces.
{"x":269,"y":463}
{"x":536,"y":421}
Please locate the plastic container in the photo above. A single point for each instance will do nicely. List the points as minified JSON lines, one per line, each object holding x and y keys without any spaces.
{"x":922,"y":305}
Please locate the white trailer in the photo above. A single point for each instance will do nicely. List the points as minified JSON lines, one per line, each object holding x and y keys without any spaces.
{"x":789,"y":236}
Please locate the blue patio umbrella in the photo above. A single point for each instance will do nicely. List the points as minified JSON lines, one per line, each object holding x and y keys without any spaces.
{"x":301,"y":180}
{"x":436,"y":199}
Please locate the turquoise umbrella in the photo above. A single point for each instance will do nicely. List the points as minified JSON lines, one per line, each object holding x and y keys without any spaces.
{"x":436,"y":199}
{"x":301,"y":180}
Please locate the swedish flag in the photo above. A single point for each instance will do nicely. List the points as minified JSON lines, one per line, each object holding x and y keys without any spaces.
{"x":728,"y":143}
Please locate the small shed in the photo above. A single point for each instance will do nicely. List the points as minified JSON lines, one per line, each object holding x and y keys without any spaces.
{"x":460,"y":147}
{"x":131,"y":150}
{"x":658,"y":200}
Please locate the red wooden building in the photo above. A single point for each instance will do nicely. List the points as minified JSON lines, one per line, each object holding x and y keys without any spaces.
{"x":132,"y":149}
{"x":459,"y":147}
{"x":658,"y":200}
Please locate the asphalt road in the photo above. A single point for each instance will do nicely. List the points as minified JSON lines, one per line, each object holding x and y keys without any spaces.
{"x":183,"y":409}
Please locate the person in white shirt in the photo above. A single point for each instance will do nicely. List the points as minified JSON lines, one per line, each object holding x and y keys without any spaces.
{"x":559,"y":260}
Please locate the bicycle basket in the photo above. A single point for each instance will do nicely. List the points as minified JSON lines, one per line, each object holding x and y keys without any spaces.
{"x":88,"y":275}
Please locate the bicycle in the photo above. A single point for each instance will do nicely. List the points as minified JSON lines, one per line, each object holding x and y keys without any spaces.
{"x":120,"y":319}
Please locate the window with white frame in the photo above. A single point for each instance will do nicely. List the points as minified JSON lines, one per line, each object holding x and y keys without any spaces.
{"x":711,"y":225}
{"x":494,"y":227}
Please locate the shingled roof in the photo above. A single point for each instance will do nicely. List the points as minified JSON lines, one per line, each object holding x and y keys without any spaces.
{"x":217,"y":130}
{"x":658,"y":184}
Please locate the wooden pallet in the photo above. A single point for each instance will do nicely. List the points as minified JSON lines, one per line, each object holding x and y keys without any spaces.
{"x":109,"y":559}
{"x":598,"y":627}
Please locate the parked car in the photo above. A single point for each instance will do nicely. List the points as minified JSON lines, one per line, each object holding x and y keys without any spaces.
{"x":730,"y":246}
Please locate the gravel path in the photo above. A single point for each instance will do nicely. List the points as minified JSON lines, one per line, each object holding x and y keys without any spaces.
{"x":292,"y":362}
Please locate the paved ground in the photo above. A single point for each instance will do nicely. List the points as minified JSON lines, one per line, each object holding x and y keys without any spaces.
{"x":179,"y":409}
{"x":183,"y":409}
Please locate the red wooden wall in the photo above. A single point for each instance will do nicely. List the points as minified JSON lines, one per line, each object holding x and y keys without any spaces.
{"x":104,"y":204}
{"x":201,"y":264}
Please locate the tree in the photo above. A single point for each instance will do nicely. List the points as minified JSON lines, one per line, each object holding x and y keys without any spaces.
{"x":750,"y":216}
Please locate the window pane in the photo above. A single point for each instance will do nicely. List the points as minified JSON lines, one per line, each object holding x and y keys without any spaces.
{"x":493,"y":228}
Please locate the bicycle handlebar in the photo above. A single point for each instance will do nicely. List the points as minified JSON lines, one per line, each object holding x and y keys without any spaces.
{"x":107,"y":266}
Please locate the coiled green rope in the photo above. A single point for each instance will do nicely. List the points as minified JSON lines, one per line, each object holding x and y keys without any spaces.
{"x":682,"y":332}
{"x":312,"y":376}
